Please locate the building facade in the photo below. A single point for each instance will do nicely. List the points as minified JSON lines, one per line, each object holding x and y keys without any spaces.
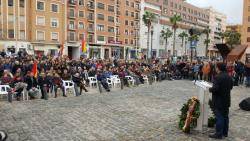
{"x":235,"y":28}
{"x":110,"y":27}
{"x":245,"y":34}
{"x":217,"y":25}
{"x":192,"y":17}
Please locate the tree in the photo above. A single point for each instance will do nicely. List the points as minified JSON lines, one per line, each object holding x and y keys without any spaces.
{"x":207,"y":40}
{"x":174,"y":21}
{"x":165,"y":34}
{"x":148,"y":18}
{"x":222,"y":36}
{"x":232,"y":38}
{"x":183,"y":36}
{"x":193,"y":38}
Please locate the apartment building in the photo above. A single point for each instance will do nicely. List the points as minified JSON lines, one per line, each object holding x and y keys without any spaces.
{"x":14,"y":32}
{"x":245,"y":23}
{"x":192,"y":17}
{"x":109,"y":26}
{"x":36,"y":26}
{"x":217,"y":24}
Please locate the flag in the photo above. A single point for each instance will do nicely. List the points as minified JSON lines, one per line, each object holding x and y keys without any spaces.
{"x":84,"y":46}
{"x":61,"y":50}
{"x":34,"y":69}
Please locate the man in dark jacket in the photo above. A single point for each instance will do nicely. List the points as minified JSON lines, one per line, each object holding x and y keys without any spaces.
{"x":221,"y":100}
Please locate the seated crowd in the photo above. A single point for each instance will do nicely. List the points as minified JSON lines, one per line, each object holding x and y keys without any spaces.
{"x":18,"y":73}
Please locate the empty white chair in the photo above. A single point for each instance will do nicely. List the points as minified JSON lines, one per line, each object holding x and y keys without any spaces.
{"x":4,"y":89}
{"x":92,"y":81}
{"x":68,"y":85}
{"x":130,"y":79}
{"x":145,"y":78}
{"x":116,"y":80}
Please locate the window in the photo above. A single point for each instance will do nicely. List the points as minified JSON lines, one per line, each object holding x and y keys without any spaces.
{"x":100,"y":5}
{"x":132,"y":4}
{"x":111,"y":19}
{"x":71,"y":25}
{"x":10,"y":2}
{"x":126,"y":13}
{"x":54,"y":36}
{"x":72,"y":36}
{"x":127,"y":2}
{"x":81,"y":14}
{"x":110,"y":39}
{"x":111,"y":8}
{"x":126,"y":31}
{"x":111,"y":29}
{"x":132,"y":14}
{"x":81,"y":36}
{"x":132,"y":23}
{"x":100,"y":16}
{"x":40,"y":5}
{"x":21,"y":3}
{"x":40,"y":35}
{"x":1,"y":32}
{"x":126,"y":41}
{"x":126,"y":22}
{"x":40,"y":20}
{"x":81,"y":2}
{"x":72,"y":13}
{"x":54,"y":8}
{"x":248,"y":29}
{"x":22,"y":34}
{"x":100,"y":38}
{"x":100,"y":27}
{"x":81,"y":25}
{"x":11,"y":33}
{"x":248,"y":39}
{"x":248,"y":18}
{"x":54,"y":22}
{"x":131,"y":42}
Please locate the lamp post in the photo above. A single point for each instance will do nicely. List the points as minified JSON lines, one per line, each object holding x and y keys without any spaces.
{"x":152,"y":33}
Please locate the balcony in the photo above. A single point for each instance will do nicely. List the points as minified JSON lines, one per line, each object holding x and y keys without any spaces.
{"x":72,"y":3}
{"x":91,"y":18}
{"x":91,"y":6}
{"x":72,"y":27}
{"x":118,"y":13}
{"x":91,"y":30}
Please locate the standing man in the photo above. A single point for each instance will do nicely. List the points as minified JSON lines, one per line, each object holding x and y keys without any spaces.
{"x":221,"y":100}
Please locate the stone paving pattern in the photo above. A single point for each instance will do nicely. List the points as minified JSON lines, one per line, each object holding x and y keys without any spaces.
{"x":144,"y":113}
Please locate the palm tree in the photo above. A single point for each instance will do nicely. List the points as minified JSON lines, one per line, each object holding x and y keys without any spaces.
{"x":148,"y":18}
{"x":193,"y":38}
{"x":166,"y":33}
{"x":183,"y":36}
{"x":222,"y":36}
{"x":207,"y":40}
{"x":174,"y":21}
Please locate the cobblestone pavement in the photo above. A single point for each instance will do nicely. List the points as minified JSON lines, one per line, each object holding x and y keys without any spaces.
{"x":144,"y":113}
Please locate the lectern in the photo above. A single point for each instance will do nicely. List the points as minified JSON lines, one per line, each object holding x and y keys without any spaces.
{"x":203,"y":96}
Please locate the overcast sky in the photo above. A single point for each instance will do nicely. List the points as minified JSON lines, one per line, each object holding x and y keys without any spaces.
{"x":232,"y":8}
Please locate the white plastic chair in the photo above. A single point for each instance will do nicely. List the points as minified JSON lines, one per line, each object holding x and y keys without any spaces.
{"x":4,"y":89}
{"x":110,"y":82}
{"x":116,"y":80}
{"x":92,"y":81}
{"x":145,"y":78}
{"x":68,"y":85}
{"x":130,"y":79}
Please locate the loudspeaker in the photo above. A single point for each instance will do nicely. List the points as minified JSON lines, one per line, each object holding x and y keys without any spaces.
{"x":245,"y":104}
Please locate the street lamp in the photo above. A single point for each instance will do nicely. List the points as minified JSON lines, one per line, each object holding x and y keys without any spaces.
{"x":152,"y":33}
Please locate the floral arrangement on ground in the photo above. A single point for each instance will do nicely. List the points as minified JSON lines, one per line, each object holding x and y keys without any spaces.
{"x":190,"y":112}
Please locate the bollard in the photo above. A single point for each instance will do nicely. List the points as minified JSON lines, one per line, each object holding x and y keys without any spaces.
{"x":45,"y":93}
{"x":150,"y":79}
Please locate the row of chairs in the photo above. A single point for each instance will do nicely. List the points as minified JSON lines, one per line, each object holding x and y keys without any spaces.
{"x":112,"y":81}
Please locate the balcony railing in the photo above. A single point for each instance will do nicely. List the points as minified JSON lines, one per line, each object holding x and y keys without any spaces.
{"x":72,"y":2}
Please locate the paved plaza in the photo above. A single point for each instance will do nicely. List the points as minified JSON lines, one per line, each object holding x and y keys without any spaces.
{"x":144,"y":113}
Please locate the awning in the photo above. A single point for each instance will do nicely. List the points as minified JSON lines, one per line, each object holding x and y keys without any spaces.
{"x":236,"y":53}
